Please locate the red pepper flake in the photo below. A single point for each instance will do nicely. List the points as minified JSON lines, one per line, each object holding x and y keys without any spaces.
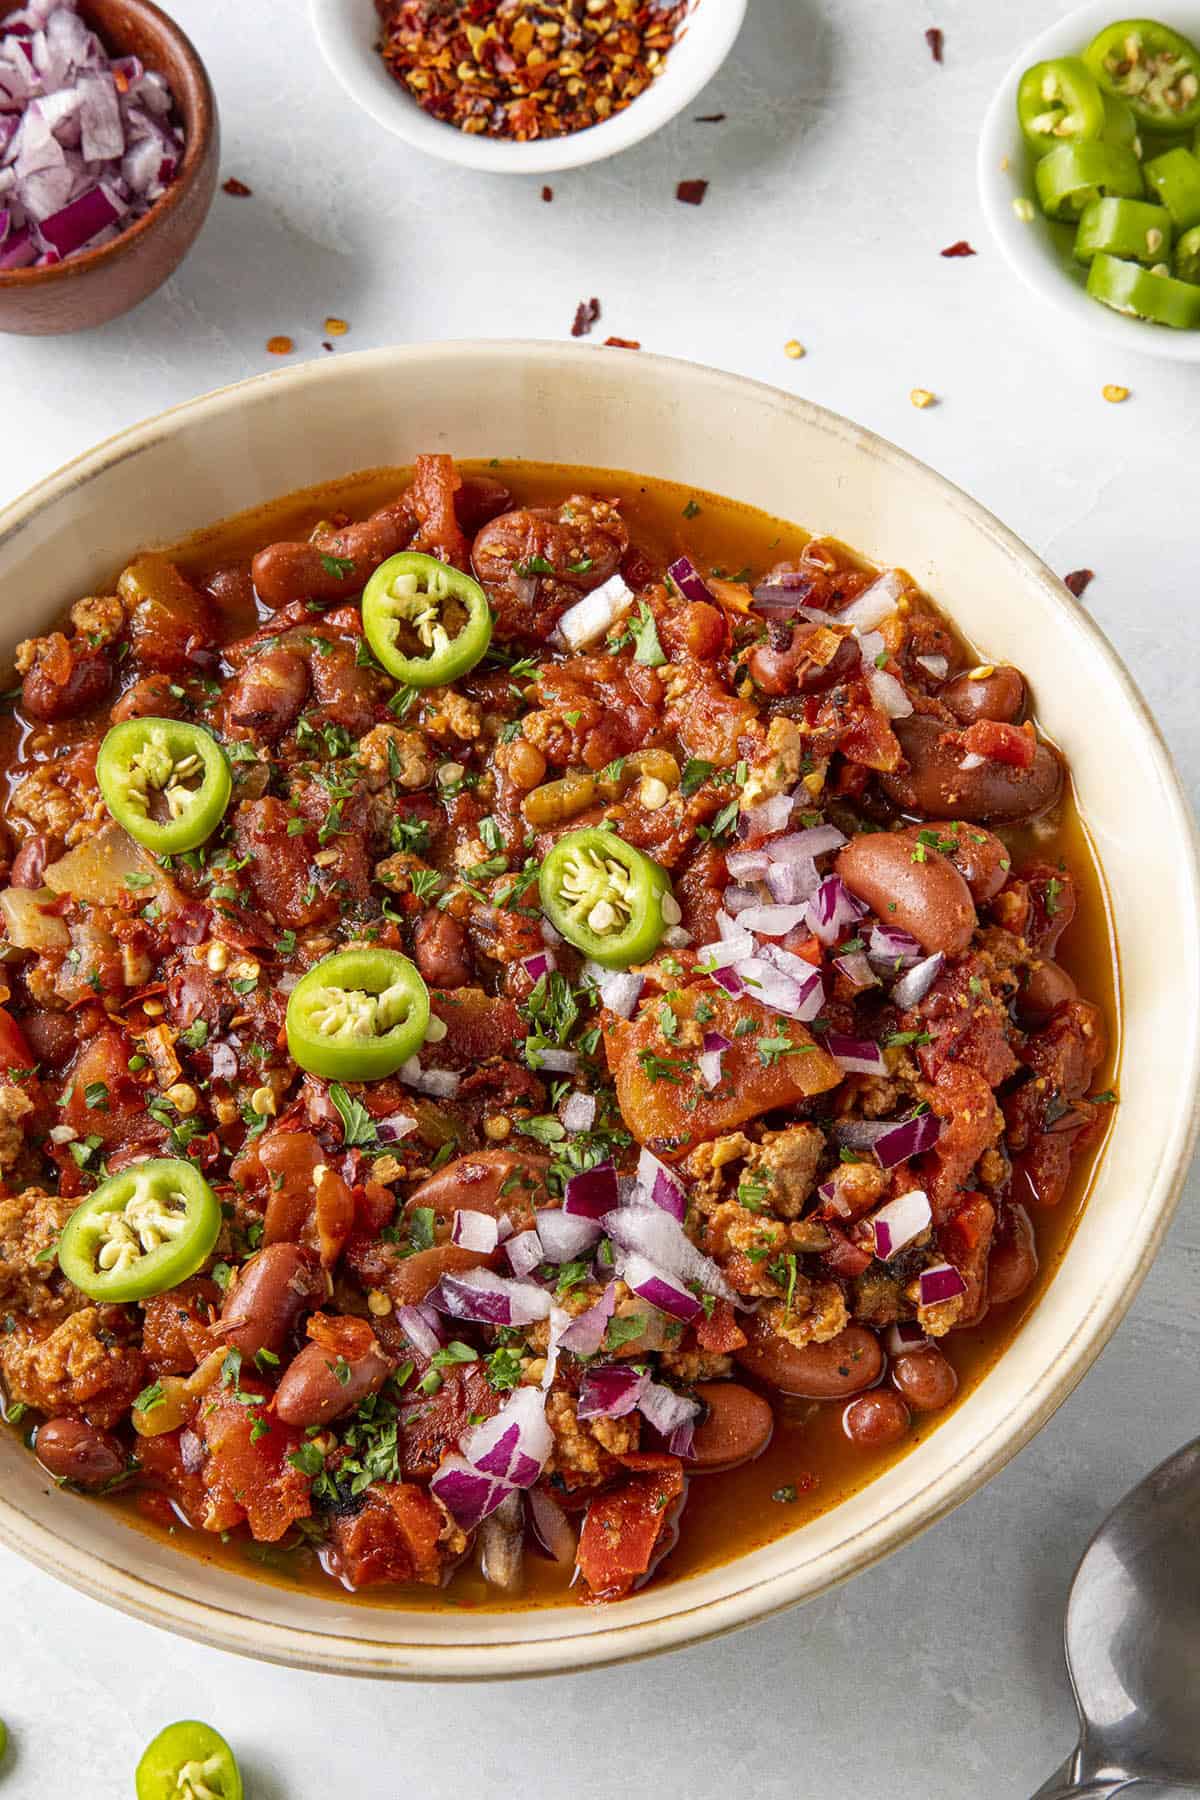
{"x":691,"y":192}
{"x":526,"y":69}
{"x":237,"y":188}
{"x":325,"y":344}
{"x":547,"y":194}
{"x":280,"y":346}
{"x":936,"y":39}
{"x":586,"y":314}
{"x":1079,"y":580}
{"x":962,"y":248}
{"x":711,"y":118}
{"x":623,"y":343}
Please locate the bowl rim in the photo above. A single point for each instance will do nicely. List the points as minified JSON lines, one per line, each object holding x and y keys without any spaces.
{"x":1023,"y":1414}
{"x":716,"y":25}
{"x":195,"y":150}
{"x":996,"y":167}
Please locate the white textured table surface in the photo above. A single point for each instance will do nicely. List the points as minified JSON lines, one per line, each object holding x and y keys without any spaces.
{"x":845,"y":165}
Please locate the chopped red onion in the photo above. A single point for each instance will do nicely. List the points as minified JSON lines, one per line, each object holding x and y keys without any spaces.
{"x":524,"y":1252}
{"x":551,"y":1527}
{"x":439,"y":1084}
{"x":591,"y":617}
{"x":875,"y":604}
{"x":736,"y":899}
{"x":728,"y":927}
{"x":650,"y":1232}
{"x":394,"y":1127}
{"x":585,"y":1334}
{"x":592,"y":1193}
{"x":192,"y":1452}
{"x":861,"y":1134}
{"x":619,"y":989}
{"x":914,"y":986}
{"x":541,"y":963}
{"x":709,"y":1062}
{"x":659,"y":1289}
{"x":490,"y":1299}
{"x":814,"y":840}
{"x":857,"y":1056}
{"x":565,"y":1236}
{"x":661,"y":1186}
{"x":559,"y":1062}
{"x":19,"y":251}
{"x":727,"y":952}
{"x":684,"y":574}
{"x":672,"y":1415}
{"x":767,"y":819}
{"x":550,"y":935}
{"x":905,"y":1335}
{"x":972,"y":761}
{"x":828,"y":1192}
{"x":892,"y":948}
{"x":940,"y":1282}
{"x":467,"y":1495}
{"x":794,"y":881}
{"x":937,"y":666}
{"x":223,"y":1061}
{"x":900,"y":1223}
{"x":748,"y":865}
{"x":773,"y":921}
{"x":911,"y":1137}
{"x":730,"y":980}
{"x":888,"y":693}
{"x":783,"y":590}
{"x":856,"y":969}
{"x":419,"y":1327}
{"x":474,"y":1231}
{"x":578,"y":1112}
{"x":832,"y":908}
{"x":610,"y":1390}
{"x":514,"y":1445}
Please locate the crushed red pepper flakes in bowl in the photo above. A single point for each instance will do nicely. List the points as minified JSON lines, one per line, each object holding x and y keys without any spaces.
{"x":961,"y":248}
{"x":586,"y":314}
{"x":1079,"y":580}
{"x":505,"y":69}
{"x":616,"y":343}
{"x":280,"y":346}
{"x":237,"y":188}
{"x":936,"y":39}
{"x":691,"y":192}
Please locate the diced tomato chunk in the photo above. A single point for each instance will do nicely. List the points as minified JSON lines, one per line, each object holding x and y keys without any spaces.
{"x":393,"y":1537}
{"x":247,"y":1467}
{"x":1000,"y":743}
{"x":625,"y":1527}
{"x":720,"y":1332}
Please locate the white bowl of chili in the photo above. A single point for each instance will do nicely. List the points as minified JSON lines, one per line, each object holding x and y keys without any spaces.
{"x":304,"y":428}
{"x":350,"y":33}
{"x":1039,"y":249}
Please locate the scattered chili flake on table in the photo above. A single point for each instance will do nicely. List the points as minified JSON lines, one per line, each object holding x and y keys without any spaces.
{"x":691,"y":192}
{"x":962,"y":248}
{"x":336,"y":327}
{"x":586,"y":314}
{"x":547,"y":194}
{"x":617,"y":343}
{"x":1079,"y":580}
{"x":711,"y":118}
{"x":1115,"y":394}
{"x":923,"y":397}
{"x":795,"y":349}
{"x":936,"y":39}
{"x":280,"y":346}
{"x":237,"y":188}
{"x":325,"y":344}
{"x":507,"y":69}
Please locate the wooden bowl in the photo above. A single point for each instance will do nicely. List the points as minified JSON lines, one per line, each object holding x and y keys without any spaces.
{"x":97,"y":285}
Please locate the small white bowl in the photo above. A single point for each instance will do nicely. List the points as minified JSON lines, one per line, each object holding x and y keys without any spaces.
{"x":1034,"y":248}
{"x":347,"y":33}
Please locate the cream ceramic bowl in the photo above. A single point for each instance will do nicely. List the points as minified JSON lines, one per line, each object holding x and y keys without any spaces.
{"x":1037,"y":250}
{"x":347,"y":32}
{"x":250,"y":443}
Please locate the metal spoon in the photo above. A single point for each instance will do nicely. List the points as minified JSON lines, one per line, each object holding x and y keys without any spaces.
{"x":1133,"y":1641}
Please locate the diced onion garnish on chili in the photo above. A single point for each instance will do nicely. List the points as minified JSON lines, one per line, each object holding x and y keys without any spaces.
{"x":551,"y":1528}
{"x":490,"y":1299}
{"x":891,"y":948}
{"x":940,"y":1282}
{"x":394,"y":1127}
{"x":765,"y":820}
{"x":772,"y":921}
{"x":913,"y":986}
{"x":419,"y":1327}
{"x":578,"y":1112}
{"x":748,"y":865}
{"x":591,"y":1193}
{"x":937,"y":666}
{"x":651,"y":1232}
{"x":888,"y":694}
{"x":905,"y":1335}
{"x":474,"y":1231}
{"x":559,"y":1062}
{"x":857,"y":970}
{"x":857,"y":1056}
{"x":585,"y":1334}
{"x":709,"y":1060}
{"x":832,"y":908}
{"x":730,"y":950}
{"x":565,"y":1236}
{"x":660,"y":1186}
{"x":911,"y":1137}
{"x":900,"y":1223}
{"x":541,"y":963}
{"x":972,"y":761}
{"x":467,"y":1495}
{"x":610,"y":1390}
{"x":223,"y":1061}
{"x":659,"y":1289}
{"x":619,"y":989}
{"x":791,"y":882}
{"x":672,"y":1415}
{"x":876,"y":603}
{"x":687,"y":579}
{"x":592,"y":616}
{"x":730,"y":980}
{"x":514,"y":1445}
{"x":524,"y":1252}
{"x":736,"y":899}
{"x":439,"y":1084}
{"x":814,"y":840}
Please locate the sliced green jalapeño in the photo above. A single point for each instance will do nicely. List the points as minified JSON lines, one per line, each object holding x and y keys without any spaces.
{"x":1155,"y":69}
{"x":426,"y":622}
{"x":1073,"y":175}
{"x":1151,"y":294}
{"x":188,"y":1761}
{"x":1125,"y":228}
{"x":142,"y":1232}
{"x":165,"y":781}
{"x":1059,"y":101}
{"x":1175,"y":178}
{"x":358,"y":1015}
{"x":1187,"y":256}
{"x":606,"y":898}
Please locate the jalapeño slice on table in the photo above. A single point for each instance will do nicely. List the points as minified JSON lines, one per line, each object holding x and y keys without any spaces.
{"x":358,"y":1015}
{"x":426,"y":622}
{"x":1058,"y":102}
{"x":1145,"y":293}
{"x":606,"y":898}
{"x":188,"y":1761}
{"x":165,"y":781}
{"x":1156,"y":70}
{"x":142,"y":1232}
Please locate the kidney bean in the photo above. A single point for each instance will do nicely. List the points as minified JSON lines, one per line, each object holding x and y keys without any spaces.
{"x":926,"y":1380}
{"x":440,"y":950}
{"x":876,"y":1419}
{"x":1046,"y":986}
{"x":149,"y":698}
{"x":30,"y":862}
{"x":269,"y":692}
{"x":1013,"y":1262}
{"x":1000,"y":695}
{"x":480,"y":499}
{"x":488,"y":1181}
{"x":782,"y":665}
{"x":64,"y":680}
{"x":52,"y":1037}
{"x":936,"y":786}
{"x":318,"y":1385}
{"x":736,"y":1426}
{"x":169,"y":619}
{"x":75,"y":1451}
{"x":981,"y":858}
{"x":409,"y":1281}
{"x":276,"y":1288}
{"x":845,"y":1365}
{"x":927,"y":898}
{"x":314,"y":570}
